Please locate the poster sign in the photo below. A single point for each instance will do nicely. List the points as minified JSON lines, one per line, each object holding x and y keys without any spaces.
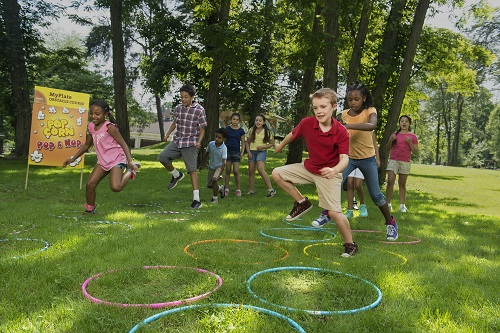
{"x":58,"y":126}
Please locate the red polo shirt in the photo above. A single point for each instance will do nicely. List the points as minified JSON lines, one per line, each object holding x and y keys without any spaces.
{"x":324,"y":147}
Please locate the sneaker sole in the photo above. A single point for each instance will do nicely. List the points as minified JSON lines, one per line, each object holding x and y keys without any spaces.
{"x":182,"y":177}
{"x":392,"y":238}
{"x":296,"y":217}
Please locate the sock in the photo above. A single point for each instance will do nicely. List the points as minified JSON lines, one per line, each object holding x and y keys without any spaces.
{"x":215,"y":198}
{"x":196,"y":195}
{"x":175,"y":173}
{"x":301,"y":201}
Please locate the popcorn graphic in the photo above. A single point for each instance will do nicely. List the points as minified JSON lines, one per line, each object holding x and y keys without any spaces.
{"x":36,"y":156}
{"x":52,"y":109}
{"x":79,"y":121}
{"x":35,"y":131}
{"x":65,"y":111}
{"x":76,"y":162}
{"x":40,"y":115}
{"x":81,"y":110}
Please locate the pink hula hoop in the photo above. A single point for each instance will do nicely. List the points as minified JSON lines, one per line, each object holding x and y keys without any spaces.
{"x":152,"y":305}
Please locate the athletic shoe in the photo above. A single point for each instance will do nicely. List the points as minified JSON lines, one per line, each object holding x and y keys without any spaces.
{"x":403,"y":209}
{"x":392,"y":230}
{"x":90,"y":209}
{"x":174,"y":181}
{"x":363,"y":212}
{"x":355,"y":204}
{"x":138,"y":165}
{"x":299,"y":209}
{"x":271,"y":193}
{"x":226,"y":192}
{"x":214,"y":200}
{"x":349,"y":213}
{"x":350,"y":249}
{"x":196,"y":204}
{"x":250,"y":192}
{"x":222,"y":193}
{"x":238,"y":193}
{"x":323,"y":219}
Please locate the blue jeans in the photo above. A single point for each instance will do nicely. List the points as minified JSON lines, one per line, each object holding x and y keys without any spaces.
{"x":368,"y":167}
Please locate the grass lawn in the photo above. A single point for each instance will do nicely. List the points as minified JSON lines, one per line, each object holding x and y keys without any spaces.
{"x":442,"y":276}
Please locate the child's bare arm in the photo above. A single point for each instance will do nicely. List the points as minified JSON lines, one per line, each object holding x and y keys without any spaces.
{"x":332,"y":172}
{"x":283,"y":143}
{"x":88,"y":143}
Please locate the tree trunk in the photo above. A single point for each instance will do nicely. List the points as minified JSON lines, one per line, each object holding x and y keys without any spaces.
{"x":119,"y":73}
{"x":386,"y":64}
{"x":331,"y":61}
{"x":404,"y":79}
{"x":18,"y":76}
{"x":212,"y":96}
{"x":359,"y":43}
{"x":438,"y":136}
{"x":296,"y":147}
{"x":160,"y":116}
{"x":456,"y":137}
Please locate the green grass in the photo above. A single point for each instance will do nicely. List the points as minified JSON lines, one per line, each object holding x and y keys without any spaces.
{"x":448,"y":282}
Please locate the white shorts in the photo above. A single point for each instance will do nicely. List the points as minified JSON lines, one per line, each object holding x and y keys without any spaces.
{"x":356,"y":173}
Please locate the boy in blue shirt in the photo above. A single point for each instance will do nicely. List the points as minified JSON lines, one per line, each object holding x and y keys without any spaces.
{"x":216,"y":152}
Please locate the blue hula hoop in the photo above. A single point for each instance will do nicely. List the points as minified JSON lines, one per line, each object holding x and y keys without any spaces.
{"x":27,"y":239}
{"x":300,"y":240}
{"x":292,"y":323}
{"x":316,"y":312}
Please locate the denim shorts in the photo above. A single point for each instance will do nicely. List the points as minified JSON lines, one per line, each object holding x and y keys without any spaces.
{"x":258,"y":156}
{"x":233,"y":156}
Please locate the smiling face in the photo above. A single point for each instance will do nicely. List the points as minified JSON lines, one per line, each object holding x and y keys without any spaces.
{"x":259,"y":121}
{"x":186,"y":99}
{"x":323,"y":109}
{"x":97,"y":115}
{"x":355,"y":99}
{"x":404,"y":123}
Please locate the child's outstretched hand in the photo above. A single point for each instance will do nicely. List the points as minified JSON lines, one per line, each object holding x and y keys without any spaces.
{"x":68,"y":161}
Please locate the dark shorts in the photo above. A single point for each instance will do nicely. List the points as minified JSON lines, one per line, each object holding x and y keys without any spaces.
{"x":233,"y":156}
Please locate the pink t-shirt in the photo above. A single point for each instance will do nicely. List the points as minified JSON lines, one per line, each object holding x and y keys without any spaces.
{"x":401,"y":149}
{"x":109,"y":152}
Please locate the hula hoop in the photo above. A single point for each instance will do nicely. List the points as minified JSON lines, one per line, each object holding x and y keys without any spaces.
{"x":292,"y":323}
{"x":300,"y":240}
{"x":417,"y":240}
{"x":153,"y":305}
{"x":46,"y":246}
{"x":186,"y":248}
{"x":316,"y":312}
{"x":338,"y":263}
{"x":15,"y":232}
{"x":166,"y":212}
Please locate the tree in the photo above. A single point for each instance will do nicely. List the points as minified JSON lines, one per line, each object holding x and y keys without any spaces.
{"x":18,"y":75}
{"x":119,"y":73}
{"x":403,"y":81}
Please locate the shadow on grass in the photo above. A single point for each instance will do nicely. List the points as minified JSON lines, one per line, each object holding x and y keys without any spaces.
{"x":441,"y":177}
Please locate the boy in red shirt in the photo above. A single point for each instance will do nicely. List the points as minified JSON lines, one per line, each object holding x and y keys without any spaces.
{"x":328,"y":148}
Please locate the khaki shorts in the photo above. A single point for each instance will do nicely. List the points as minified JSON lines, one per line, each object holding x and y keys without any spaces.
{"x":328,"y":189}
{"x":213,"y":174}
{"x":399,"y":167}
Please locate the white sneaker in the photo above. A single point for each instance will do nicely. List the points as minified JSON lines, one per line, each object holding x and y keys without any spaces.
{"x":403,"y":209}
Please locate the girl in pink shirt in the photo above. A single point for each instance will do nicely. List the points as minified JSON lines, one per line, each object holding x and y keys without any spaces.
{"x":401,"y":145}
{"x":113,"y":154}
